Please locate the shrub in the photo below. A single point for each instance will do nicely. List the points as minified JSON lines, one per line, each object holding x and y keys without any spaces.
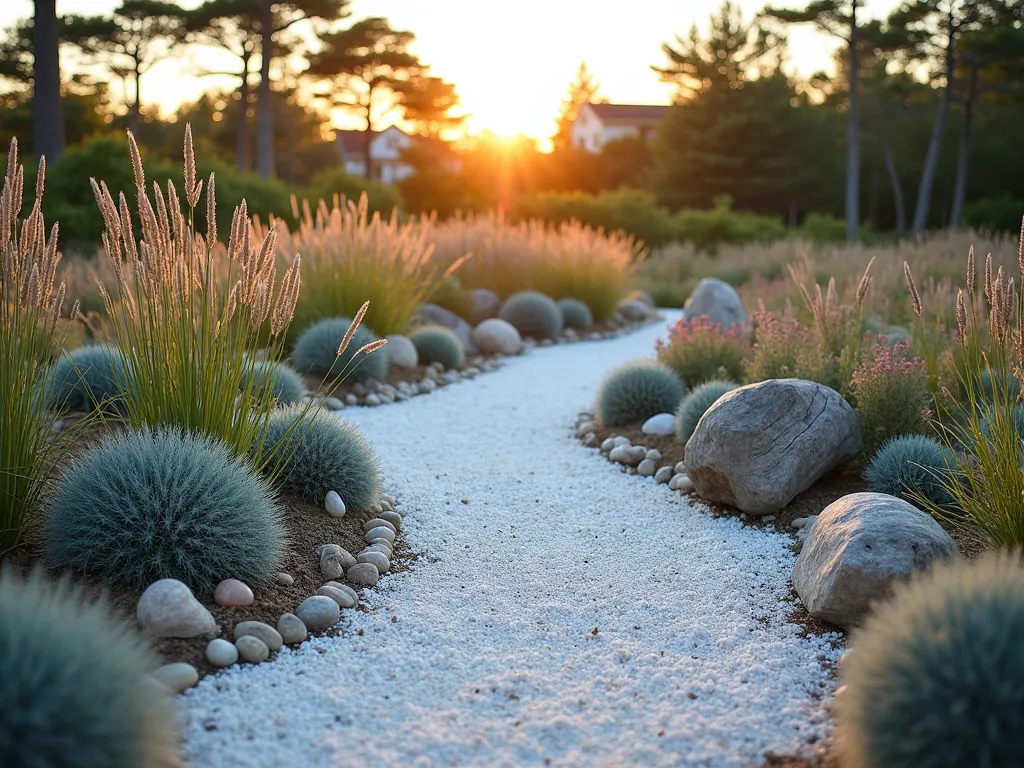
{"x":28,"y":333}
{"x":163,"y":504}
{"x":786,"y":349}
{"x":73,"y":683}
{"x":320,"y":453}
{"x":350,"y":255}
{"x":936,"y":674}
{"x":891,"y":395}
{"x":575,"y":314}
{"x":910,"y":466}
{"x":995,"y":214}
{"x":706,"y":229}
{"x":696,"y":404}
{"x":435,"y":344}
{"x":275,"y":380}
{"x":636,"y":391}
{"x":187,"y":318}
{"x":450,"y":294}
{"x":699,"y":350}
{"x":86,"y":379}
{"x":316,"y":352}
{"x":533,"y":314}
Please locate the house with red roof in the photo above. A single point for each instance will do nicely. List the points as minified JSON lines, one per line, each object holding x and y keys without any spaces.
{"x":387,"y":150}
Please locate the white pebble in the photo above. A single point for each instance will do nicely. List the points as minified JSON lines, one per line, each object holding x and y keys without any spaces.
{"x":334,"y":505}
{"x":221,"y":653}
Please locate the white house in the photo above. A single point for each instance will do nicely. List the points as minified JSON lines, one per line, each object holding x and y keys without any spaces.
{"x":386,"y":147}
{"x":597,"y":124}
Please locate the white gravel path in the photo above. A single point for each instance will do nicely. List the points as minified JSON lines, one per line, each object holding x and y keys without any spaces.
{"x":486,"y":653}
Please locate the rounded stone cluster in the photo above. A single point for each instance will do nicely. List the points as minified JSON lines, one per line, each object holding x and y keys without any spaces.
{"x":634,"y":459}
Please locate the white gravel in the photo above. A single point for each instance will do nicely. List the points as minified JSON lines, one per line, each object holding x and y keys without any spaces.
{"x":560,"y":613}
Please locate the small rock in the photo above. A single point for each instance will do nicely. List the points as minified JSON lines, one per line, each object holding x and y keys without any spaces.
{"x":252,"y":649}
{"x":333,"y":404}
{"x":427,"y":386}
{"x":343,"y":599}
{"x":621,"y":440}
{"x":680,"y":468}
{"x":647,"y":468}
{"x":334,"y":505}
{"x":351,"y":399}
{"x":660,"y":424}
{"x":291,"y":629}
{"x":386,"y":506}
{"x":653,"y":454}
{"x":284,"y":579}
{"x":270,"y":636}
{"x":682,"y":483}
{"x":376,"y":522}
{"x":221,"y":653}
{"x":344,"y":588}
{"x":388,"y":499}
{"x":663,"y":475}
{"x":392,"y":517}
{"x":497,"y":336}
{"x":382,"y":546}
{"x":232,"y":593}
{"x":379,"y":532}
{"x":634,"y":455}
{"x":400,"y":351}
{"x":584,"y":428}
{"x":372,"y":399}
{"x":168,"y":609}
{"x":379,"y":559}
{"x":178,"y":676}
{"x":619,"y":454}
{"x":334,"y":560}
{"x":365,"y":574}
{"x":318,"y":613}
{"x":607,"y":445}
{"x":590,"y":440}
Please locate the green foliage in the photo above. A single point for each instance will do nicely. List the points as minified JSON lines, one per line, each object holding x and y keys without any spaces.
{"x":164,"y":504}
{"x":1007,"y":382}
{"x":575,"y":314}
{"x":696,"y":404}
{"x":73,"y":683}
{"x":275,"y":380}
{"x":316,"y":352}
{"x":450,"y":295}
{"x":823,"y":228}
{"x":337,"y":183}
{"x":891,"y":395}
{"x":436,"y":344}
{"x":910,"y":466}
{"x":636,"y":391}
{"x":995,"y":214}
{"x":787,"y":350}
{"x":322,"y":453}
{"x":533,"y":314}
{"x":86,"y":379}
{"x":720,"y":224}
{"x":935,"y":675}
{"x":699,"y":350}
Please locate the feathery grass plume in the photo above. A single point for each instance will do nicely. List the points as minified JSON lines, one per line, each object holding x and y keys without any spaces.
{"x":351,"y":256}
{"x":188,"y":314}
{"x":983,"y":430}
{"x":30,"y":310}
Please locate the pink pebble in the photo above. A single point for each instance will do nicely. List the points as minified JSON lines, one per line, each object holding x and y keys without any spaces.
{"x":232,"y":593}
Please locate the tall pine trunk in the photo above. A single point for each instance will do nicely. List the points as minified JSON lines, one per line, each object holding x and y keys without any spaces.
{"x":368,"y":136}
{"x":853,"y":136}
{"x":47,"y":111}
{"x":242,"y":125}
{"x":135,"y":113}
{"x":931,"y":163}
{"x":964,"y":151}
{"x":264,"y":109}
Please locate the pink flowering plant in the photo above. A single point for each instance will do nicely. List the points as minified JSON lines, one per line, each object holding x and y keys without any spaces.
{"x":891,"y":393}
{"x":786,"y":349}
{"x":699,"y":350}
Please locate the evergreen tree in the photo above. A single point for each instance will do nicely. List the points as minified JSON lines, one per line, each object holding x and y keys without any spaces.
{"x":582,"y":90}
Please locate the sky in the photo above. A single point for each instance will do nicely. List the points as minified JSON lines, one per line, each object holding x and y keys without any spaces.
{"x":512,"y":63}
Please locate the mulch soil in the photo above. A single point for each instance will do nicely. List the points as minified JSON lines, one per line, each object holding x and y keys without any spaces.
{"x":835,"y":485}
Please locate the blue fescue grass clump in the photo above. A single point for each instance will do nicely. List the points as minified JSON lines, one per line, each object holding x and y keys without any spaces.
{"x":935,"y":678}
{"x":317,"y":452}
{"x":696,"y":404}
{"x":533,"y":314}
{"x":1010,"y":386}
{"x":636,"y":391}
{"x":86,"y":379}
{"x":282,"y":383}
{"x":72,"y":683}
{"x":909,"y":466}
{"x":316,"y":352}
{"x":436,"y":344}
{"x":155,"y":505}
{"x":575,"y":314}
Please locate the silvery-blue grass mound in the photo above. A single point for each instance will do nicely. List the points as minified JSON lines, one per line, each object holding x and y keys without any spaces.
{"x":316,"y":352}
{"x":910,"y":466}
{"x":696,"y":404}
{"x":533,"y":314}
{"x":163,"y":504}
{"x":636,"y":391}
{"x":435,"y":344}
{"x":277,"y":380}
{"x":935,"y":677}
{"x":86,"y":379}
{"x":575,"y":314}
{"x":317,"y":452}
{"x":74,"y":685}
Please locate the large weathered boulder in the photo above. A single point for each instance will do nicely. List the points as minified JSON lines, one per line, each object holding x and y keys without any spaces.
{"x":432,"y":314}
{"x":760,"y":445}
{"x":718,"y":301}
{"x":858,"y":546}
{"x":486,"y":304}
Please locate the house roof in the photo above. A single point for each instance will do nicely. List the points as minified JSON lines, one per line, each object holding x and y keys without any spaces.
{"x":350,"y":143}
{"x":629,"y":114}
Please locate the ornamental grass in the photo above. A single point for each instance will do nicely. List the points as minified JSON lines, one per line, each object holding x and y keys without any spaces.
{"x":30,"y":314}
